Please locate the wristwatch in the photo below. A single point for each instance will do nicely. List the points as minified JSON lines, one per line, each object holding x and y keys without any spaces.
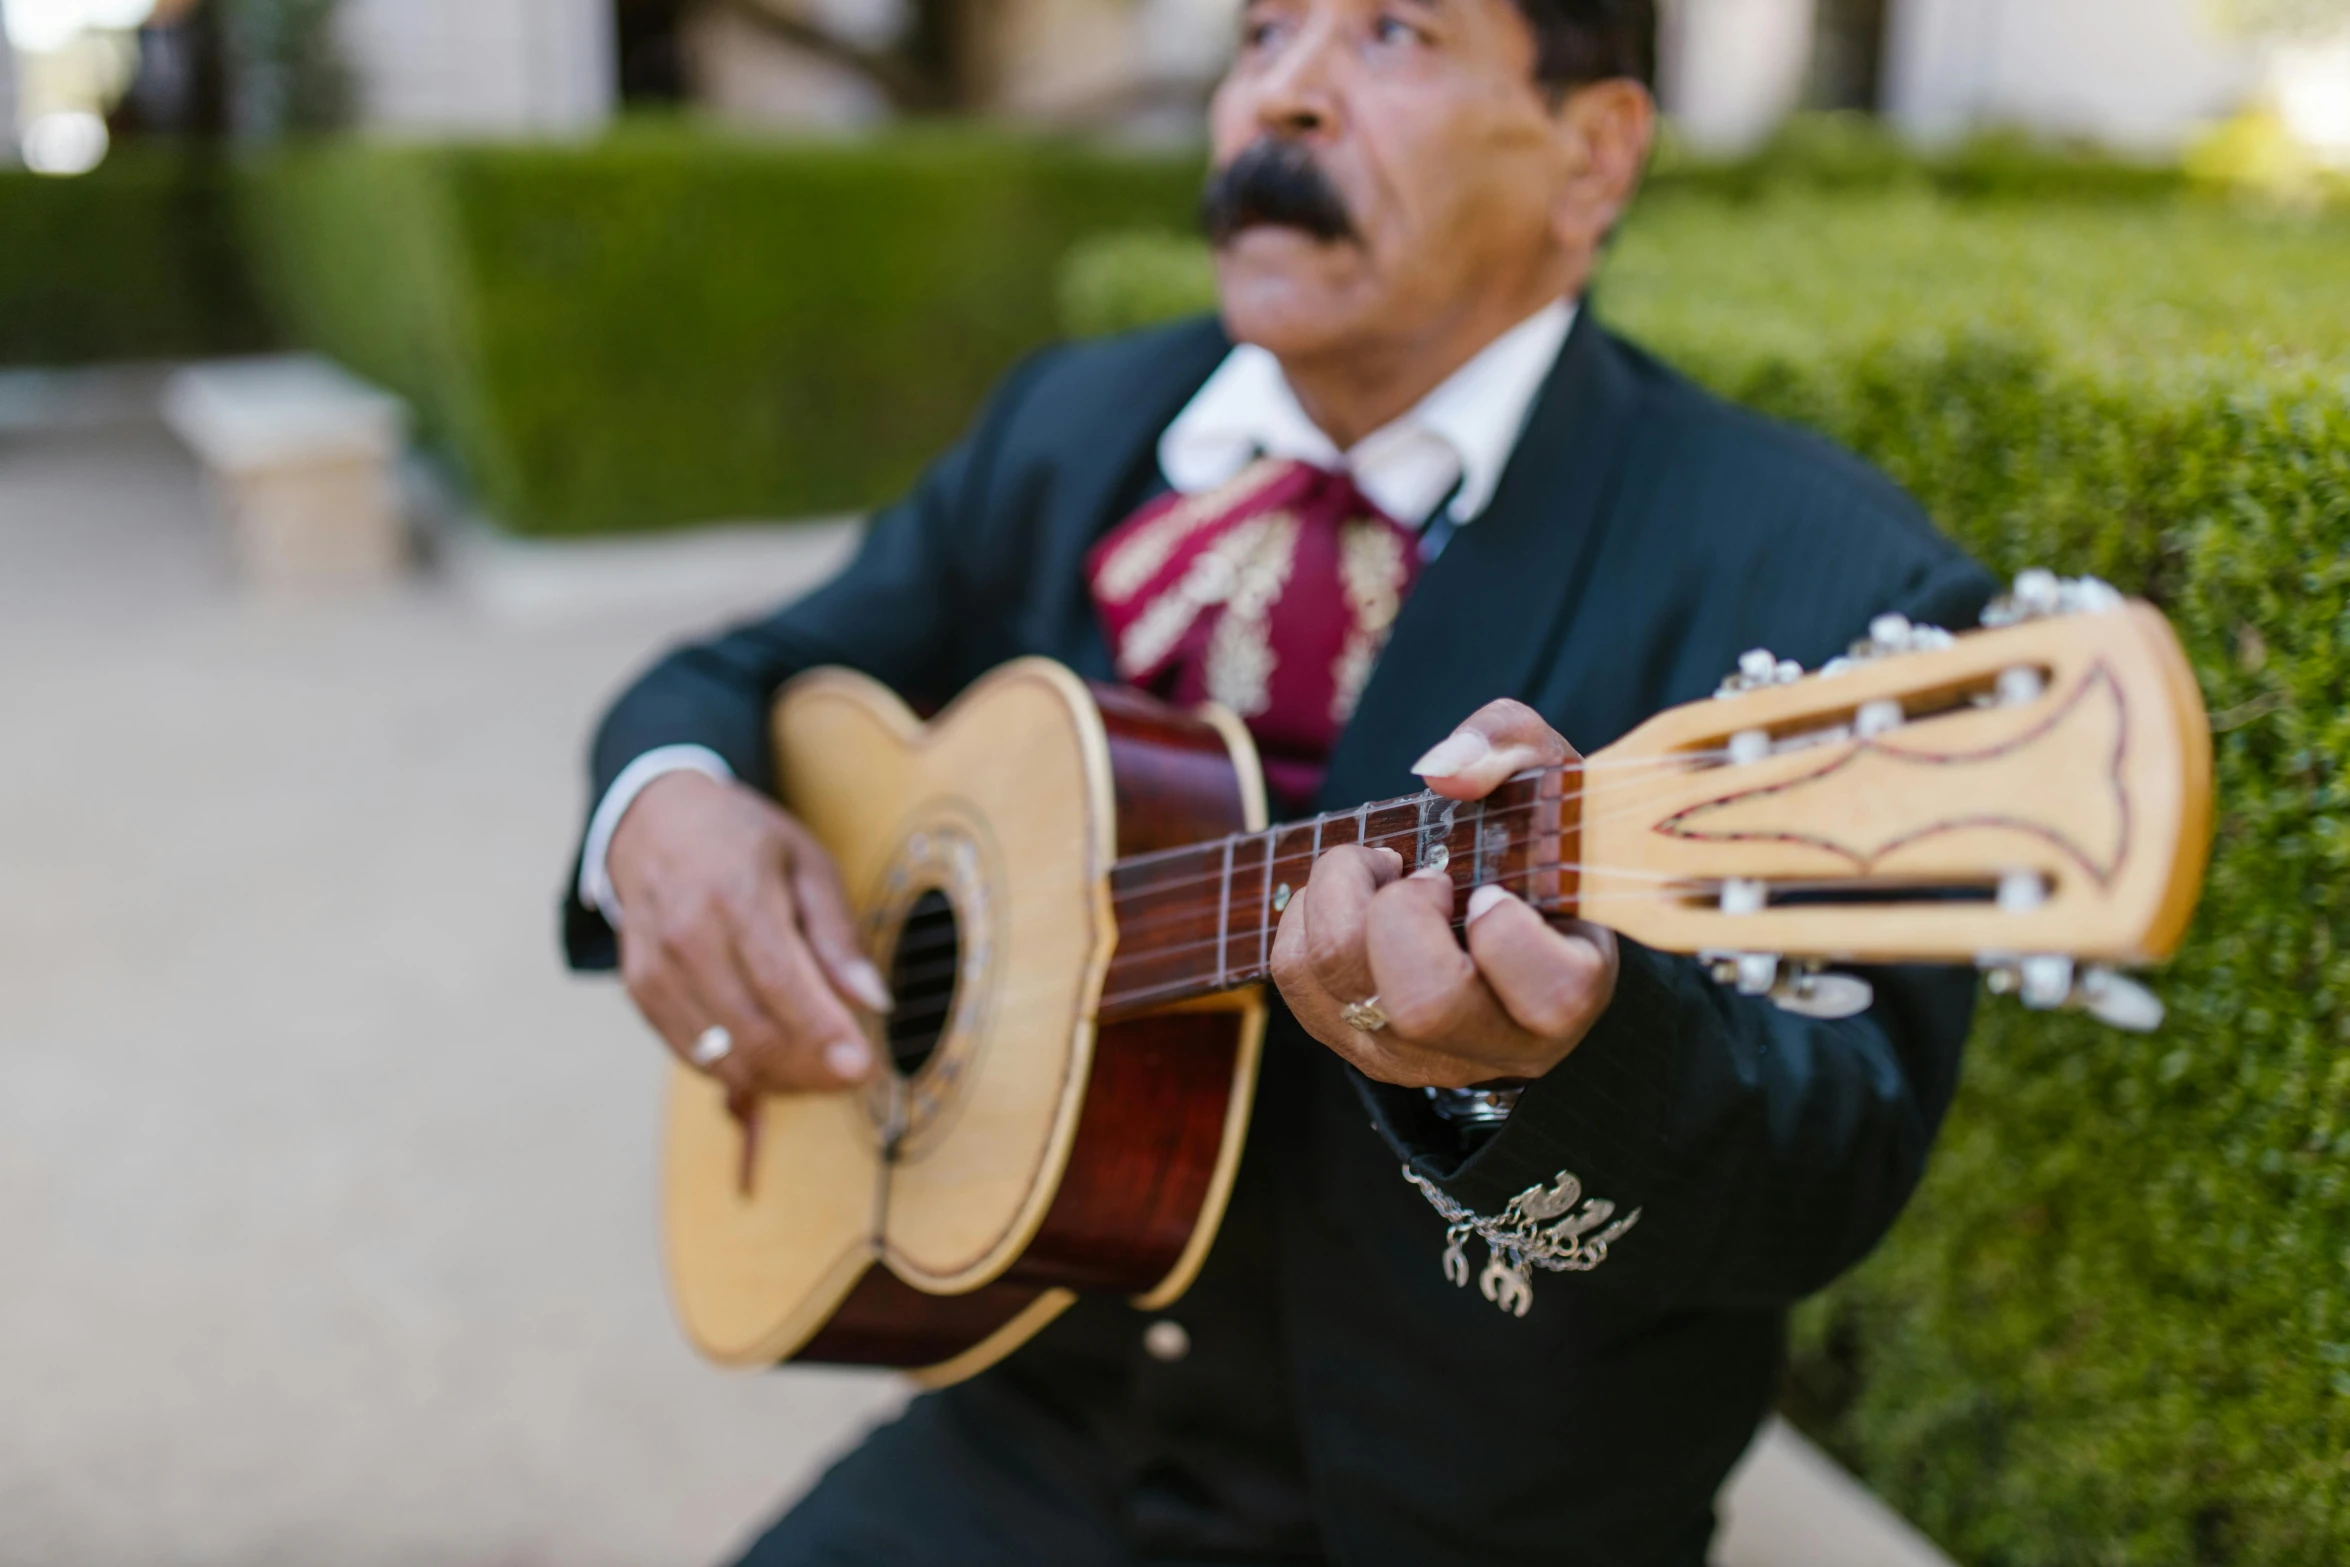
{"x":1476,"y":1113}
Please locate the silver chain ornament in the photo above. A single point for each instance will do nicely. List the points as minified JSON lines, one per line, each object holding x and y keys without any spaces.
{"x":1548,"y":1227}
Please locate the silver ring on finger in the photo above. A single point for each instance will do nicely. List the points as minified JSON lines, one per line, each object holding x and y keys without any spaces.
{"x":713,"y":1045}
{"x":1364,"y":1015}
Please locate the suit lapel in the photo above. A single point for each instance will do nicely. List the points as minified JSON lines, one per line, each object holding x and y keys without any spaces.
{"x":1488,"y":614}
{"x":1102,"y":481}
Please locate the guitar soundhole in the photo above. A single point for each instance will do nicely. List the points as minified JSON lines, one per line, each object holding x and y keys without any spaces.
{"x":922,"y":975}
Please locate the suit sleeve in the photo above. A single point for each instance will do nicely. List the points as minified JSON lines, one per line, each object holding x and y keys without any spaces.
{"x":901,"y":611}
{"x":1763,"y":1153}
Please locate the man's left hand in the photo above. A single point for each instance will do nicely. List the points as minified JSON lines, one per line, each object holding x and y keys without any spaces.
{"x":1512,"y":1006}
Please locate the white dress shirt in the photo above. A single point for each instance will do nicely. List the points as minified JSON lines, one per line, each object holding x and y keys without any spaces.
{"x":1461,"y":434}
{"x":1453,"y":443}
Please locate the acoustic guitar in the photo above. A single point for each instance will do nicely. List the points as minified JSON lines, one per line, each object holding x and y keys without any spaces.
{"x":1073,"y":890}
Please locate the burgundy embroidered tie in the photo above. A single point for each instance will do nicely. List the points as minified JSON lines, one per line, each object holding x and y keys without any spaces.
{"x":1271,"y":594}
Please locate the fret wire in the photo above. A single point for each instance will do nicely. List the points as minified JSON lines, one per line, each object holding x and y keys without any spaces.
{"x":1224,"y":919}
{"x":1477,"y":845}
{"x":1265,"y":907}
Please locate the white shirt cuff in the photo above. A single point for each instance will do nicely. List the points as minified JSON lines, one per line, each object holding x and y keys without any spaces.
{"x":595,"y":877}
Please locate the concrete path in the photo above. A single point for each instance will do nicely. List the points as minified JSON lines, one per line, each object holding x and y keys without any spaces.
{"x":325,"y":1196}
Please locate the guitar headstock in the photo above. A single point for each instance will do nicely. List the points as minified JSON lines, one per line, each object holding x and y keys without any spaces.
{"x":2027,"y":797}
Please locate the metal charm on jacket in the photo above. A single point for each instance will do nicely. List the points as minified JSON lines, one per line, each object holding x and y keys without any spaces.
{"x":1272,"y":593}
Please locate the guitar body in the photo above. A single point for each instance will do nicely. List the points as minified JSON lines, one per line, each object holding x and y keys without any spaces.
{"x":1017,"y":1149}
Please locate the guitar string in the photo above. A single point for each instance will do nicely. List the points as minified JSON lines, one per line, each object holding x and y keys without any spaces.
{"x":1131,"y":927}
{"x":1586,"y":872}
{"x":1691,"y":888}
{"x":1388,"y":839}
{"x":1384,"y":839}
{"x":1128,"y":928}
{"x":1270,"y":837}
{"x":1661,"y":760}
{"x":1213,"y":849}
{"x":1171,"y":990}
{"x":1246,"y":974}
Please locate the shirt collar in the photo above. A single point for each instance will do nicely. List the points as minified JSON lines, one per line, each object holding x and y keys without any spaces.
{"x":1454,"y":441}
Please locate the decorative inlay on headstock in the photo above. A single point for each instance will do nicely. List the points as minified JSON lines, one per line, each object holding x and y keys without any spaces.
{"x":1897,"y":809}
{"x":1862,"y":803}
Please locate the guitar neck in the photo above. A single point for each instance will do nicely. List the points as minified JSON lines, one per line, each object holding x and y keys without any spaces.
{"x":2043,"y":788}
{"x":1199,"y":921}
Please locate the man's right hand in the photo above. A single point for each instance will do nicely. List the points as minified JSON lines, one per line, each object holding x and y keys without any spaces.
{"x":732,"y":915}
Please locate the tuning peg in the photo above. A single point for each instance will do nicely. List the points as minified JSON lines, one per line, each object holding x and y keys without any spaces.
{"x":2118,"y":1001}
{"x":1757,"y":669}
{"x":1827,"y":997}
{"x":1798,"y":988}
{"x":2046,"y":983}
{"x":1890,"y":635}
{"x":1749,"y":973}
{"x":2039,"y":594}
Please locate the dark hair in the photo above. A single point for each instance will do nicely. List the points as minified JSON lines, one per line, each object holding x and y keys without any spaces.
{"x":1584,"y":41}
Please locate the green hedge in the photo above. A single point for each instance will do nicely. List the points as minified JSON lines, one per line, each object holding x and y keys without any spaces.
{"x":2115,"y":1327}
{"x":1852,"y":153}
{"x":668,"y":328}
{"x":138,"y":260}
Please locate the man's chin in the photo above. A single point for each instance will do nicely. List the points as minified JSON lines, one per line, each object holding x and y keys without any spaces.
{"x":1289,"y":292}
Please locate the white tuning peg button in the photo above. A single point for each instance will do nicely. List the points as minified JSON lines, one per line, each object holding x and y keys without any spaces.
{"x":1880,"y":717}
{"x":1758,"y":973}
{"x":2047,"y":982}
{"x":2118,"y":1002}
{"x":2039,"y":591}
{"x":1827,"y":997}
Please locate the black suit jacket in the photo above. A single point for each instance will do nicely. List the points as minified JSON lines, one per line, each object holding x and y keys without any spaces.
{"x":1342,"y":1397}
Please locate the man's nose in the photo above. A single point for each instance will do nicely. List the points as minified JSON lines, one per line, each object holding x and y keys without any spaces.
{"x":1299,"y":96}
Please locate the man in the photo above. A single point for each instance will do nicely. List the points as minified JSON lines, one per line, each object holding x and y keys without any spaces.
{"x":1410,"y":199}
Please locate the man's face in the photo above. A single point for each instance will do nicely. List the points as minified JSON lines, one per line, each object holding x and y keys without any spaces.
{"x":1449,"y":162}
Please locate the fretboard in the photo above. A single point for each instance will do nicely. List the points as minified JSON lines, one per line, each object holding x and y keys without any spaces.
{"x":1198,"y":921}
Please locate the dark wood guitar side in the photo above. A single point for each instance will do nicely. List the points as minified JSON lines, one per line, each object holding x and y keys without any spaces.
{"x":1164,"y":1110}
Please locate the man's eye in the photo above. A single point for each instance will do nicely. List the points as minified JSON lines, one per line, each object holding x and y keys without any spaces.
{"x":1394,"y":30}
{"x":1256,"y":33}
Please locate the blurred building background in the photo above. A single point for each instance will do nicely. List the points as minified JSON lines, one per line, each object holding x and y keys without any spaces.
{"x":2134,"y":74}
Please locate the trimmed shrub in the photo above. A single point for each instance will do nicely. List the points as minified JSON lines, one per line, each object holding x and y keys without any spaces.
{"x":138,"y":260}
{"x":1849,"y":154}
{"x":2115,"y":1326}
{"x":667,"y":327}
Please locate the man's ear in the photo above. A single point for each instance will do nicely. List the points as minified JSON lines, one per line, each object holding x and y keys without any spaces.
{"x":1605,"y":130}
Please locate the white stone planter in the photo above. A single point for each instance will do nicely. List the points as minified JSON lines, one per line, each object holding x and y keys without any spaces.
{"x":300,"y":455}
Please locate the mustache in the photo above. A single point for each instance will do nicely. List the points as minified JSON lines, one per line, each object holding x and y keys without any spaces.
{"x":1277,"y":182}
